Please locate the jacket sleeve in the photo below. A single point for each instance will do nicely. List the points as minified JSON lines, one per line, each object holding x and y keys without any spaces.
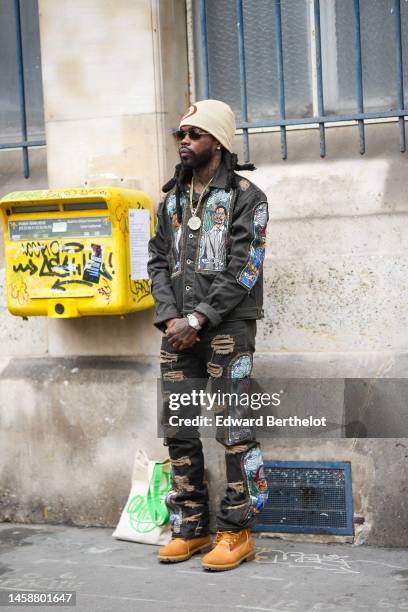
{"x":247,"y":252}
{"x":159,"y":274}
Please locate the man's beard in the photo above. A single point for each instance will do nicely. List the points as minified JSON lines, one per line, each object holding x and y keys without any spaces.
{"x":196,"y":161}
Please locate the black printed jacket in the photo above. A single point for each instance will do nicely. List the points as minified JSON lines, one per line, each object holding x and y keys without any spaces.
{"x":217,"y":269}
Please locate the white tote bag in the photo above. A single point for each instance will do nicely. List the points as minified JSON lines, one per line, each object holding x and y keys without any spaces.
{"x":145,"y":517}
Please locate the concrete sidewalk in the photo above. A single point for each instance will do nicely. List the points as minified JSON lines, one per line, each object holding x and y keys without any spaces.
{"x":111,"y":575}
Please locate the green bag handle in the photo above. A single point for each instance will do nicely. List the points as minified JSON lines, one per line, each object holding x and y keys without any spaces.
{"x":157,"y":509}
{"x":146,"y":513}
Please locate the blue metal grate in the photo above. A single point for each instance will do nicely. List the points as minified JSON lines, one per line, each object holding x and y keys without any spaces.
{"x":321,"y":117}
{"x":25,"y":142}
{"x":308,"y":497}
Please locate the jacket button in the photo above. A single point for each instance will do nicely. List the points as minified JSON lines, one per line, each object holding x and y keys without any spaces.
{"x":189,"y":261}
{"x":188,"y":287}
{"x":191,"y":235}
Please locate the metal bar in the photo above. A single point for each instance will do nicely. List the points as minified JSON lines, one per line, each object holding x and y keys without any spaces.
{"x":281,"y":77}
{"x":204,"y":48}
{"x":400,"y":73}
{"x":21,"y":86}
{"x":359,"y":73}
{"x":322,"y":119}
{"x":26,"y":143}
{"x":242,"y":73}
{"x":316,"y":6}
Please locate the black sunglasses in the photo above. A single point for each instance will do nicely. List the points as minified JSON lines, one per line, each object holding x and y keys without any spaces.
{"x":193,"y":133}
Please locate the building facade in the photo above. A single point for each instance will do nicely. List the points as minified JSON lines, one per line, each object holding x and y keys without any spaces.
{"x":78,"y":396}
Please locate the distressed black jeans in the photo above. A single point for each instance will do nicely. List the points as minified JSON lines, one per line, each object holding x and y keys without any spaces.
{"x":223,"y":356}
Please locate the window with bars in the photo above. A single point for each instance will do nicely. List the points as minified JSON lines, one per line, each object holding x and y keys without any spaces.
{"x":21,"y":96}
{"x":294,"y":62}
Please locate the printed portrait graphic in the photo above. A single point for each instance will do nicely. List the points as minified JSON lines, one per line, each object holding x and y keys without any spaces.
{"x":176,"y":230}
{"x":250,"y":273}
{"x":213,"y":243}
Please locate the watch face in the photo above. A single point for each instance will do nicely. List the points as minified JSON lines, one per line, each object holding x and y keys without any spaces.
{"x":193,"y":321}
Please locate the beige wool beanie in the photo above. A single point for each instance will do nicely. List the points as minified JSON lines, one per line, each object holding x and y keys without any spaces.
{"x":215,"y":117}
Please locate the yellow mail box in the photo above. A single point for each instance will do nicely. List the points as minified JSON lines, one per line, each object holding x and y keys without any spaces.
{"x":75,"y":252}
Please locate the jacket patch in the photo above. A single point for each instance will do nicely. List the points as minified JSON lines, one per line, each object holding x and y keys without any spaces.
{"x":249,"y":274}
{"x":176,"y":229}
{"x":244,"y":184}
{"x":214,"y":232}
{"x":223,"y":344}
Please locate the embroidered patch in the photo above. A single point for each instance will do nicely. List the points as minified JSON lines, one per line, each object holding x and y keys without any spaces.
{"x":191,"y":111}
{"x":214,"y":234}
{"x":249,"y":274}
{"x":244,"y":184}
{"x":176,"y":515}
{"x":241,"y":367}
{"x":176,"y":227}
{"x":256,"y":481}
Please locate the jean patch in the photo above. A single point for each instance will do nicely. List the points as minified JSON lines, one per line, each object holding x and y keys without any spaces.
{"x":241,"y":367}
{"x":175,"y":512}
{"x":256,"y":481}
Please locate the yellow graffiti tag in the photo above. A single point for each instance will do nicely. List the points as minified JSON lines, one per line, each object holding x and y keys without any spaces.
{"x":19,"y":291}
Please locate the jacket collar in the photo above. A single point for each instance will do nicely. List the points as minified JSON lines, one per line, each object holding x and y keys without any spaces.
{"x":220,"y":178}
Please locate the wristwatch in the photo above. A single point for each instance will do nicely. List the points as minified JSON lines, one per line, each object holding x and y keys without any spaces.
{"x":193,"y":322}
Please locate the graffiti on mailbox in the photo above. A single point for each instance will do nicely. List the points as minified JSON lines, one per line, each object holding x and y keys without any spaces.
{"x":65,"y":264}
{"x":139,"y":289}
{"x":19,"y":291}
{"x":105,"y":291}
{"x":49,"y":194}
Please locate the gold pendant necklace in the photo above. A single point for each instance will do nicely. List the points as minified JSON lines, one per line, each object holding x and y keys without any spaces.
{"x":194,"y":221}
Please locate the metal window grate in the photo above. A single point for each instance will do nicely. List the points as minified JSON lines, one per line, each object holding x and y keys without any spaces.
{"x":307,"y":498}
{"x":320,"y":116}
{"x":25,"y":142}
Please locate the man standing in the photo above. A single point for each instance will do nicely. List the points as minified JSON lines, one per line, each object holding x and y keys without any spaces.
{"x":208,"y":315}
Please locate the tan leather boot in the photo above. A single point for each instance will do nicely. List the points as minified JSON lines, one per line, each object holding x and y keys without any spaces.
{"x":181,"y":550}
{"x":231,"y":548}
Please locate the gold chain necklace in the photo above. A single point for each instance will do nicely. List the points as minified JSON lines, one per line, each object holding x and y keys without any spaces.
{"x":194,"y":221}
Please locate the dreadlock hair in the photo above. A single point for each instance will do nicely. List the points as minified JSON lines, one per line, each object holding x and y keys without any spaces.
{"x":183,"y":174}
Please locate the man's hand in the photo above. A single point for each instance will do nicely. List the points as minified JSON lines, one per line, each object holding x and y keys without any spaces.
{"x":169,"y":322}
{"x":180,"y":334}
